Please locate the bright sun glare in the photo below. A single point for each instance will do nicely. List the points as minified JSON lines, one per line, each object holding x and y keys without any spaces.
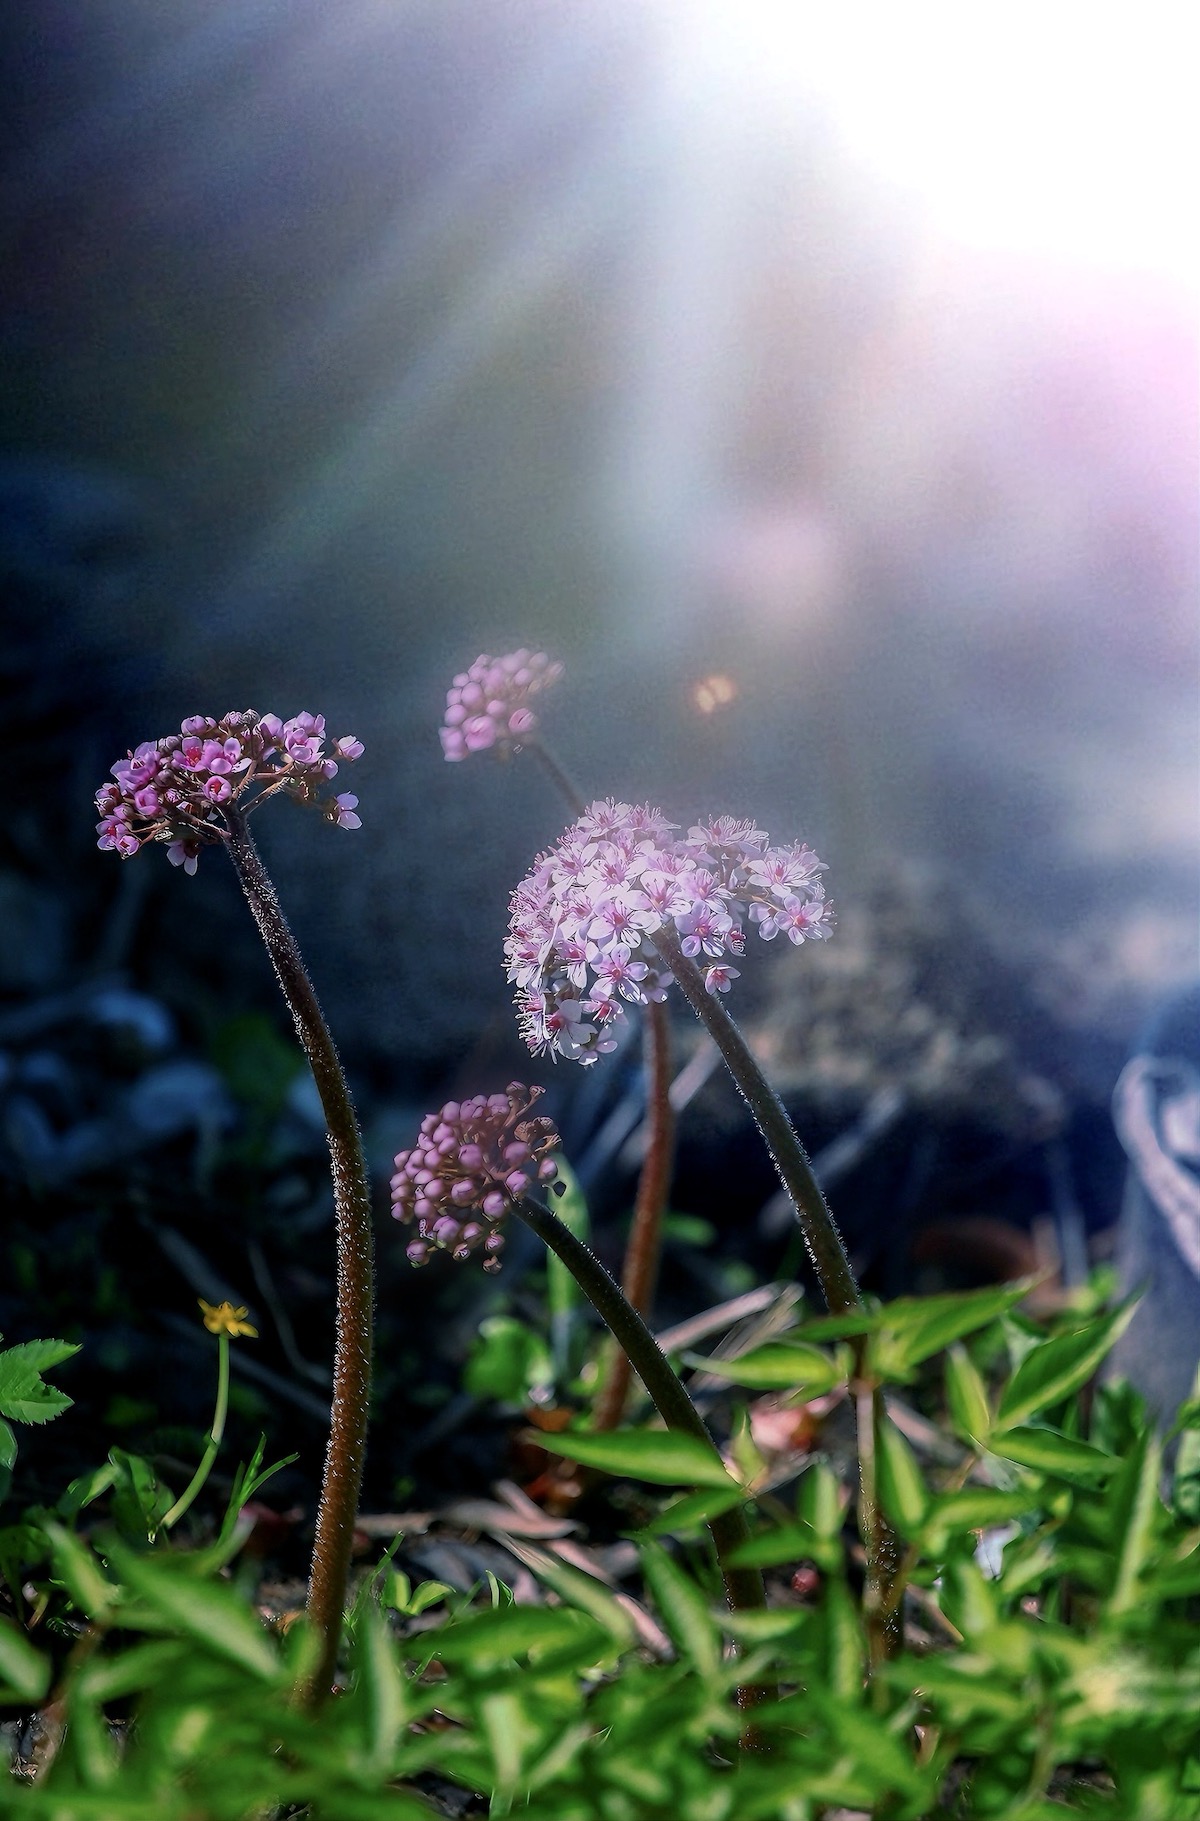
{"x":1053,"y":128}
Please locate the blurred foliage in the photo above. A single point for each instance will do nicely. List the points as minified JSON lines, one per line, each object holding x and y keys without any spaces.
{"x":1052,"y":1665}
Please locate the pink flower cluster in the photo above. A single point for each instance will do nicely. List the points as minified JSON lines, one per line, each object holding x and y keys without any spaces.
{"x":582,"y":923}
{"x":471,"y":1163}
{"x":174,"y":789}
{"x":488,"y":705}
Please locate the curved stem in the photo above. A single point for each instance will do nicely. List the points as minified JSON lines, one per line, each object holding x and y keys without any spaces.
{"x":832,"y":1266}
{"x":821,"y":1237}
{"x":560,"y":779}
{"x":639,"y":1273}
{"x":743,"y":1586}
{"x":215,"y":1434}
{"x":346,"y":1448}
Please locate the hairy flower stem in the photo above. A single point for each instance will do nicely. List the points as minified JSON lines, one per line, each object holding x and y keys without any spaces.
{"x":344,"y":1453}
{"x":821,"y":1237}
{"x":639,"y":1273}
{"x":743,"y":1586}
{"x":560,"y":779}
{"x":828,"y":1255}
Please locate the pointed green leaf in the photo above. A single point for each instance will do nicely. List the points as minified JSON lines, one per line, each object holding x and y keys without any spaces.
{"x":1049,"y":1451}
{"x":76,"y":1567}
{"x":664,"y":1457}
{"x":898,"y":1478}
{"x":684,"y":1610}
{"x":693,"y":1510}
{"x":783,"y":1543}
{"x":1053,"y":1369}
{"x":583,"y":1591}
{"x":840,"y":1327}
{"x":967,"y":1396}
{"x":915,"y":1327}
{"x":141,"y":1500}
{"x":381,"y":1684}
{"x":819,"y":1501}
{"x":512,"y":1631}
{"x":777,"y":1366}
{"x":24,"y":1671}
{"x":977,"y":1507}
{"x":1141,"y":1512}
{"x":208,"y":1612}
{"x":8,"y":1445}
{"x":967,"y":1598}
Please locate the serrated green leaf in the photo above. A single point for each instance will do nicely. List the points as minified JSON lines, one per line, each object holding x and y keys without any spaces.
{"x":966,"y":1396}
{"x":663,"y":1457}
{"x":24,"y":1396}
{"x":915,"y":1327}
{"x":8,"y":1445}
{"x":1049,"y":1451}
{"x":39,"y":1355}
{"x":898,"y":1479}
{"x":777,"y":1366}
{"x":208,"y":1612}
{"x":24,"y":1671}
{"x":1055,"y":1368}
{"x":683,"y":1609}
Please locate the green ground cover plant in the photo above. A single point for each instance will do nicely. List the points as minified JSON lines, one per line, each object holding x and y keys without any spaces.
{"x":980,"y":1601}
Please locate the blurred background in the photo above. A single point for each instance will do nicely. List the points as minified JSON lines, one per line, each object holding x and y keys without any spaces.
{"x":818,"y":383}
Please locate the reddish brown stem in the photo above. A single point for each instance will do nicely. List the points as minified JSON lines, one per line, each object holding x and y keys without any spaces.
{"x":639,"y":1274}
{"x":346,"y":1448}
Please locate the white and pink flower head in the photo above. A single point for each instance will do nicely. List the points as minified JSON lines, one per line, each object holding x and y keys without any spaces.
{"x":471,"y":1164}
{"x":582,"y":923}
{"x":487,"y":706}
{"x":175,"y":789}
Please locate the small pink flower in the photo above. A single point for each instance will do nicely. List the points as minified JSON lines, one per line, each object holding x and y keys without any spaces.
{"x":470,"y":1164}
{"x":176,"y":789}
{"x":487,"y":705}
{"x":718,"y":977}
{"x":619,"y":874}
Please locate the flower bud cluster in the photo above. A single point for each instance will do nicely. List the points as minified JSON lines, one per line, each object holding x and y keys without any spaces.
{"x":488,"y":705}
{"x":175,"y":789}
{"x":582,"y":923}
{"x":472,"y":1162}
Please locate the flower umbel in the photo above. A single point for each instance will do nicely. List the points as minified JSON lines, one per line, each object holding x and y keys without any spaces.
{"x":582,"y":923}
{"x":175,"y":789}
{"x":472,"y":1162}
{"x":488,"y":705}
{"x":223,"y":1318}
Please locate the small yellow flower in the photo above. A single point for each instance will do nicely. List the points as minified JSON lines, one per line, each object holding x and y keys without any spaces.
{"x":225,"y":1319}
